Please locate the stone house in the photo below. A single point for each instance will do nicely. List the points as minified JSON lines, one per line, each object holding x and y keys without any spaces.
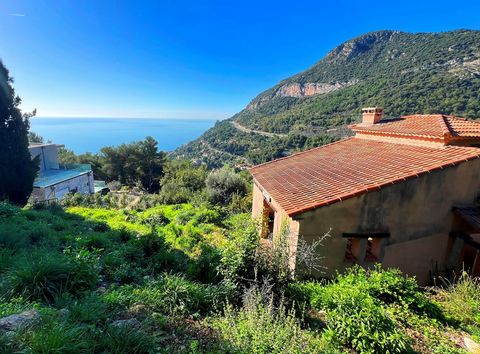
{"x":54,"y":180}
{"x":400,"y":192}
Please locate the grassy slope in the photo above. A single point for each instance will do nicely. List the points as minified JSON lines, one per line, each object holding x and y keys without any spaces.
{"x":402,"y":72}
{"x":160,"y":266}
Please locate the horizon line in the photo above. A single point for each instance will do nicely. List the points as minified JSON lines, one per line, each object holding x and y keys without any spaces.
{"x":113,"y":117}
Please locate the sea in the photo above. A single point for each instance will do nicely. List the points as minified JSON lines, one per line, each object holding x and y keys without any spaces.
{"x":91,"y":134}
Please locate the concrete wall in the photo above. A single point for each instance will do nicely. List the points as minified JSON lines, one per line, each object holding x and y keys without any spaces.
{"x":417,"y":213}
{"x":48,"y":156}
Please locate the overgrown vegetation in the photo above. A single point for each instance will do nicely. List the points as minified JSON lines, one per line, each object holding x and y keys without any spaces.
{"x":191,"y":279}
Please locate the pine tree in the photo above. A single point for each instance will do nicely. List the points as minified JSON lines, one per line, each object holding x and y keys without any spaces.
{"x":17,"y":169}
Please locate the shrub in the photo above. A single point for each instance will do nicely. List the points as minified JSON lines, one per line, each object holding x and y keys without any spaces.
{"x":238,"y":255}
{"x":356,"y":308}
{"x":223,"y":184}
{"x":93,"y":241}
{"x":355,"y":319}
{"x":390,"y":287}
{"x":260,"y":328}
{"x":205,"y":267}
{"x":172,"y":193}
{"x":184,"y":216}
{"x":205,"y":216}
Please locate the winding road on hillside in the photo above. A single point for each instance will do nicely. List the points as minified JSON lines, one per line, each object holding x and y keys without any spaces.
{"x":246,"y":130}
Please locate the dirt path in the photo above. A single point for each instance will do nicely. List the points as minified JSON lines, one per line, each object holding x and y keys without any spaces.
{"x":246,"y":130}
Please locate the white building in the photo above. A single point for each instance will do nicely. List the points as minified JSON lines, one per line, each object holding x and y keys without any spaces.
{"x":55,"y":180}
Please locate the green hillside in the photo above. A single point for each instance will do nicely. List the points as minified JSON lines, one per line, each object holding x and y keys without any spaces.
{"x":403,"y":72}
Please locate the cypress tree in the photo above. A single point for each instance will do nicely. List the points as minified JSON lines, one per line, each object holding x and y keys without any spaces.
{"x":17,"y":168}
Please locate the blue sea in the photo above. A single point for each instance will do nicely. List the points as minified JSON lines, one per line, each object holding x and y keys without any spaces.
{"x":91,"y":134}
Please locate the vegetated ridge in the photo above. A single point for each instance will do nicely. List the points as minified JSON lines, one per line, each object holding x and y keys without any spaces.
{"x":405,"y":73}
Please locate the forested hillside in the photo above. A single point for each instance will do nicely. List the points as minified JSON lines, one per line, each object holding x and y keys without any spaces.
{"x":403,"y":72}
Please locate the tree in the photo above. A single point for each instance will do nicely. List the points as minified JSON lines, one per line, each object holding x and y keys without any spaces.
{"x":139,"y":161}
{"x":150,"y":163}
{"x":17,"y":168}
{"x":35,"y":138}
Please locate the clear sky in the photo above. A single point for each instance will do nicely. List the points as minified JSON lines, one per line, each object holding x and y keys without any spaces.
{"x":186,"y":59}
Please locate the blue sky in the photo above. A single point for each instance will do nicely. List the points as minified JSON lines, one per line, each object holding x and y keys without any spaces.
{"x":186,"y":59}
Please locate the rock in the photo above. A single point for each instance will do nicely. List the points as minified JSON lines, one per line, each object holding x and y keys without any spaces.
{"x":139,"y":311}
{"x":101,"y":289}
{"x":63,"y":313}
{"x":471,"y":346}
{"x":132,"y":322}
{"x":19,"y":320}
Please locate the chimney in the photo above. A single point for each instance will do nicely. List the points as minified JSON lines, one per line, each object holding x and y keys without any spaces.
{"x":372,"y":115}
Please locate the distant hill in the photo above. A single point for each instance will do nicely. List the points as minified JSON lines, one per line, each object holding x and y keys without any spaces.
{"x":403,"y":72}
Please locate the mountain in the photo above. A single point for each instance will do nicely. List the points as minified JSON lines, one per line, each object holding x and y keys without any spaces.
{"x":404,"y":73}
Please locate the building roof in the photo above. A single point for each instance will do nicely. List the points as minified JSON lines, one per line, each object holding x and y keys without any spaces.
{"x":431,"y":126}
{"x":52,"y":177}
{"x":352,"y":167}
{"x":41,"y":145}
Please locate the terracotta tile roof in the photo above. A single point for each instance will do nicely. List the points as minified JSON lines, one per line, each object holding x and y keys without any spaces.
{"x":348,"y":168}
{"x":423,"y":125}
{"x":462,"y":127}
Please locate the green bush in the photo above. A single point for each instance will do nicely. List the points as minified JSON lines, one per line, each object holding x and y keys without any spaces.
{"x":356,"y":305}
{"x":238,"y":255}
{"x":355,"y":319}
{"x":223,"y":184}
{"x":390,"y":286}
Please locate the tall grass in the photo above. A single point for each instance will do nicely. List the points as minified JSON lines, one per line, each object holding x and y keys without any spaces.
{"x":45,"y":275}
{"x":461,"y":300}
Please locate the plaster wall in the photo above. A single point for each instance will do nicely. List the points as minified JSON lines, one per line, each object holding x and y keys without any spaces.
{"x":48,"y":156}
